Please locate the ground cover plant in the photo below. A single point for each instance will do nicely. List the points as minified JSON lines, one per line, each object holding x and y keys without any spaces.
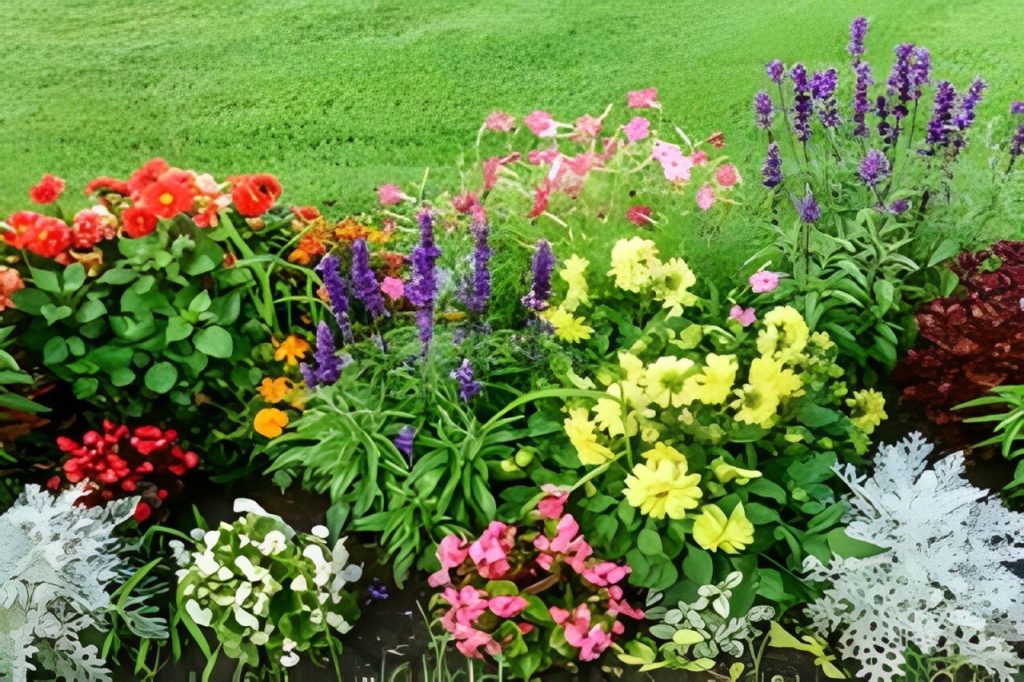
{"x":530,"y":399}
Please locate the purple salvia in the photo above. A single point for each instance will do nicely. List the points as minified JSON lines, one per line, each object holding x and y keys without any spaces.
{"x":775,"y":70}
{"x":541,"y":266}
{"x":1017,"y":108}
{"x":886,"y":130}
{"x":771,"y":172}
{"x":808,"y":208}
{"x":899,"y":206}
{"x":403,"y":440}
{"x":468,"y":387}
{"x":861,"y":101}
{"x":968,"y":103}
{"x":478,"y":289}
{"x":920,"y":71}
{"x":364,"y":282}
{"x":823,"y":89}
{"x":329,"y":365}
{"x":763,"y":110}
{"x":1017,"y":144}
{"x":334,"y":285}
{"x":900,"y":83}
{"x":858,"y":31}
{"x":422,"y":287}
{"x":803,"y":107}
{"x":874,"y":168}
{"x":939,"y":125}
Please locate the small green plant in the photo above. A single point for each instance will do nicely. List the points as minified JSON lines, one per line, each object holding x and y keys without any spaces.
{"x":1008,"y":429}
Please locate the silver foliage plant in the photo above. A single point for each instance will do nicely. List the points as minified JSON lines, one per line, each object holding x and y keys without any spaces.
{"x":59,"y":564}
{"x":942,"y":584}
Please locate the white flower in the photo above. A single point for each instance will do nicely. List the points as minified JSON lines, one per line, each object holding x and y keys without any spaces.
{"x":243,"y":592}
{"x":289,"y":658}
{"x":211,"y":538}
{"x":338,"y":623}
{"x":224,"y":574}
{"x":253,"y":573}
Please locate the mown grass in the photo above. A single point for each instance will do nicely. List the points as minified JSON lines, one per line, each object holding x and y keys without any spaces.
{"x":339,"y":97}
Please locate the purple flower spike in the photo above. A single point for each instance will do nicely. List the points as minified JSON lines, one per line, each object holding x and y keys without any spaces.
{"x":377,"y":590}
{"x":335,"y":287}
{"x":364,"y":282}
{"x":900,"y":82}
{"x":542,"y":265}
{"x":874,"y":168}
{"x":965,"y":116}
{"x":775,"y":70}
{"x":808,"y":208}
{"x":804,"y":105}
{"x":823,"y":89}
{"x":1017,"y":108}
{"x":771,"y":173}
{"x":329,"y":364}
{"x":477,"y":291}
{"x":468,"y":387}
{"x":1017,"y":143}
{"x":858,"y":31}
{"x":939,"y":126}
{"x":861,"y":101}
{"x":422,"y":287}
{"x":404,"y":439}
{"x":763,"y":110}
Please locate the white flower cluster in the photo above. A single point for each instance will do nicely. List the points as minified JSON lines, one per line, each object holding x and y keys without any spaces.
{"x":232,"y":576}
{"x":942,"y":584}
{"x":58,"y":565}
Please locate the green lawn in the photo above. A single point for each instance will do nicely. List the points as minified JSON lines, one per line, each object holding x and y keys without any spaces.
{"x":338,"y":96}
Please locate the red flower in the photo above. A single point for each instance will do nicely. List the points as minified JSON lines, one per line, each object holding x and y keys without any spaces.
{"x":48,"y":190}
{"x":717,"y":140}
{"x":138,"y":222}
{"x":19,"y":223}
{"x":639,"y":215}
{"x":107,"y":184}
{"x":47,"y":237}
{"x":89,"y":229}
{"x":306,"y":213}
{"x":254,"y":195}
{"x":145,"y":176}
{"x":167,"y":198}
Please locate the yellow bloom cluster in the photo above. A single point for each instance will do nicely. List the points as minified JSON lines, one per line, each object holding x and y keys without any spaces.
{"x":567,"y":326}
{"x":637,"y":268}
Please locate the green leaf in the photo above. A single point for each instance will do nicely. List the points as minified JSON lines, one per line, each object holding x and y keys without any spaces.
{"x":46,"y":280}
{"x":649,"y":542}
{"x":55,"y":351}
{"x":74,"y":277}
{"x":697,"y":565}
{"x":90,"y":310}
{"x":30,"y":301}
{"x":200,"y":303}
{"x":85,"y":387}
{"x":122,"y":376}
{"x":178,"y":329}
{"x":161,"y":377}
{"x":117,"y":276}
{"x":54,"y":313}
{"x":215,"y":342}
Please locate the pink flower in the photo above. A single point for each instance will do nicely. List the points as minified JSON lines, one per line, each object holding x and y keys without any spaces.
{"x":393,"y":287}
{"x":637,"y":129}
{"x":764,"y":281}
{"x":617,"y":605}
{"x":566,"y":545}
{"x":587,"y":128}
{"x":717,"y":140}
{"x":642,"y":99}
{"x":673,"y":162}
{"x":467,"y":605}
{"x":390,"y":194}
{"x":490,"y":551}
{"x":726,"y":175}
{"x":541,"y":124}
{"x":552,"y":505}
{"x":491,"y":166}
{"x":591,"y":641}
{"x":469,"y":640}
{"x":705,"y":197}
{"x":507,"y":607}
{"x":10,"y":282}
{"x":467,"y":202}
{"x":542,"y":156}
{"x":451,"y":552}
{"x":639,"y":215}
{"x":745,"y":316}
{"x":606,"y":573}
{"x":500,"y":122}
{"x":541,"y":198}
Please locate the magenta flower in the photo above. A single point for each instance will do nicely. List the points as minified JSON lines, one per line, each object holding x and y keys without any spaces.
{"x":591,"y":641}
{"x":727,"y":175}
{"x":606,"y":573}
{"x":541,"y":124}
{"x":507,"y":607}
{"x":642,"y":99}
{"x":637,"y":129}
{"x":490,"y":551}
{"x":500,"y":122}
{"x":393,"y":287}
{"x":639,"y":215}
{"x":468,"y":604}
{"x":705,"y":197}
{"x":674,"y":163}
{"x":552,"y":505}
{"x":567,"y":545}
{"x":451,"y":552}
{"x":390,"y":194}
{"x":764,"y":281}
{"x":745,"y":316}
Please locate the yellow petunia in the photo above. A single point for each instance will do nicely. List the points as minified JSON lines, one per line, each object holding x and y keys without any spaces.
{"x":673,"y":281}
{"x":275,"y":390}
{"x":665,"y":378}
{"x":727,"y":472}
{"x":663,"y":488}
{"x":661,"y":452}
{"x":768,"y":383}
{"x":580,"y":430}
{"x":574,"y":273}
{"x":867,"y":409}
{"x":270,"y":422}
{"x":632,"y":366}
{"x":784,"y":335}
{"x":634,"y":263}
{"x":713,"y":384}
{"x":291,"y":350}
{"x":567,"y":326}
{"x":713,"y":531}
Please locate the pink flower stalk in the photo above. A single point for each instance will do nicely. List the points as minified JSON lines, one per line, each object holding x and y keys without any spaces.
{"x":745,"y":316}
{"x":390,"y":194}
{"x":705,"y":197}
{"x":393,"y":287}
{"x":587,"y":128}
{"x":507,"y":606}
{"x":764,"y":281}
{"x":640,"y":215}
{"x":500,"y":122}
{"x":606,"y":573}
{"x":490,"y":551}
{"x":642,"y":99}
{"x":727,"y":175}
{"x":637,"y":129}
{"x":541,"y":124}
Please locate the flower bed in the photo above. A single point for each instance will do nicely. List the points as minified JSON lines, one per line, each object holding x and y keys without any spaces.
{"x":530,"y":419}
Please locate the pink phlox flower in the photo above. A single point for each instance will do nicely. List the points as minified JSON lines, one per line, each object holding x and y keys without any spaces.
{"x":606,"y":573}
{"x":500,"y":122}
{"x":587,"y":128}
{"x":507,"y":606}
{"x":541,"y":124}
{"x":390,"y":194}
{"x":566,"y":544}
{"x":591,"y":641}
{"x":745,"y":316}
{"x":490,"y":551}
{"x":552,"y":505}
{"x":642,"y":99}
{"x":617,"y":605}
{"x":393,"y":287}
{"x":705,"y":197}
{"x":469,"y":640}
{"x":544,"y":156}
{"x":637,"y":129}
{"x":467,"y":605}
{"x":491,"y":166}
{"x":727,"y":175}
{"x":699,"y":157}
{"x":451,"y":552}
{"x":764,"y":281}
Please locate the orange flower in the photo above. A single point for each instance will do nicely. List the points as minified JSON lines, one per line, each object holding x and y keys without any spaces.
{"x":291,"y":350}
{"x":349,"y":230}
{"x":167,"y":198}
{"x":10,"y":282}
{"x":310,"y":245}
{"x":270,"y":422}
{"x":275,"y":390}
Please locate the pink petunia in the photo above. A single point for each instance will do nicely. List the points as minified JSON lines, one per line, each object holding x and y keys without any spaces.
{"x":637,"y":129}
{"x":587,"y":128}
{"x":699,"y":157}
{"x":500,"y":122}
{"x":544,"y":156}
{"x":745,"y":316}
{"x":507,"y":606}
{"x":764,"y":281}
{"x":490,"y":551}
{"x":541,"y":124}
{"x":639,"y":215}
{"x":467,"y":202}
{"x":674,"y":163}
{"x":491,"y":166}
{"x":642,"y":99}
{"x":726,"y":175}
{"x":390,"y":194}
{"x":393,"y":287}
{"x":552,"y":505}
{"x":705,"y":197}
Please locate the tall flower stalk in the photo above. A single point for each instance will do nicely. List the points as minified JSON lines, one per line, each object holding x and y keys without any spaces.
{"x":334,"y":285}
{"x":478,"y":288}
{"x":541,"y":266}
{"x":422,"y":288}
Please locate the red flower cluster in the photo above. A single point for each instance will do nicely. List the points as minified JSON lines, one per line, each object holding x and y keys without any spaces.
{"x":972,"y":342}
{"x":121,"y":462}
{"x":48,"y":190}
{"x":52,"y":238}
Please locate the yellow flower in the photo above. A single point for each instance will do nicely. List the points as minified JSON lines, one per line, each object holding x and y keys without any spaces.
{"x":768,"y":384}
{"x":867,"y":409}
{"x":673,"y":288}
{"x":270,"y":422}
{"x":785,"y":334}
{"x":713,"y":384}
{"x":663,"y":488}
{"x":822,"y":340}
{"x":665,"y":378}
{"x":291,"y":350}
{"x":633,"y":366}
{"x":661,"y":452}
{"x":581,"y":434}
{"x":275,"y":390}
{"x":727,"y":472}
{"x":713,"y":531}
{"x":574,"y":274}
{"x":567,"y":326}
{"x":633,"y":263}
